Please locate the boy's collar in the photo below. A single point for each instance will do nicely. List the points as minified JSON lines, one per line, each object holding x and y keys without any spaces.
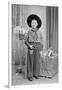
{"x":34,"y":29}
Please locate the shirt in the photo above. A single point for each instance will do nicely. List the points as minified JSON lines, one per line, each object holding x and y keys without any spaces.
{"x":33,"y":35}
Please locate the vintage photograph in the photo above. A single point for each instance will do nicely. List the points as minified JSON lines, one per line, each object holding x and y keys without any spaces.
{"x":34,"y":30}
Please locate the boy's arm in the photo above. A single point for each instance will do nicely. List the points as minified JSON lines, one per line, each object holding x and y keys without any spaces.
{"x":27,"y":43}
{"x":41,"y":42}
{"x":27,"y":40}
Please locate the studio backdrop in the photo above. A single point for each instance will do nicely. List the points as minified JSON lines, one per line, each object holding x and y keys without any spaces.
{"x":48,"y":30}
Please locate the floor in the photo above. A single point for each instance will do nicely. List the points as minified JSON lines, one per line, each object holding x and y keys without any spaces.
{"x":20,"y":80}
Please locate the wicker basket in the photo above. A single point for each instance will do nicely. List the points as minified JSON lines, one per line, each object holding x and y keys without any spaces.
{"x":49,"y":66}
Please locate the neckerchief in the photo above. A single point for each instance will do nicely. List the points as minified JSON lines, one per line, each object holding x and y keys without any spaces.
{"x":35,"y":37}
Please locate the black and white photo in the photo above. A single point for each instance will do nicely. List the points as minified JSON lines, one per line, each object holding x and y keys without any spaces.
{"x":34,"y":40}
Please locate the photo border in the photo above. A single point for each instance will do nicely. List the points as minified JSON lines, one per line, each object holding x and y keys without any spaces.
{"x":10,"y":36}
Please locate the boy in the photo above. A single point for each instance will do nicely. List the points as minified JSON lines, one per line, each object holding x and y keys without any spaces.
{"x":34,"y":47}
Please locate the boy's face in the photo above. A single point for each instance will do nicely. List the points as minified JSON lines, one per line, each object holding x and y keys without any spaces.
{"x":34,"y":23}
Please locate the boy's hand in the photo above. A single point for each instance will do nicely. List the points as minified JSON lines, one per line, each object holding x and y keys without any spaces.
{"x":31,"y":47}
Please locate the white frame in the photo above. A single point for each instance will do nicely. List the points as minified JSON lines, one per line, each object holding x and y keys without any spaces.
{"x":10,"y":31}
{"x":9,"y":45}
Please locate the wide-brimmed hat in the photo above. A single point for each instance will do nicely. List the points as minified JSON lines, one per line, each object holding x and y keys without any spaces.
{"x":37,"y":18}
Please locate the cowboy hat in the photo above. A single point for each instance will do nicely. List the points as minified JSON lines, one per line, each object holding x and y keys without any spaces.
{"x":37,"y":18}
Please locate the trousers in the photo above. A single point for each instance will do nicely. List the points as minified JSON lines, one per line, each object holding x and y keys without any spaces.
{"x":33,"y":61}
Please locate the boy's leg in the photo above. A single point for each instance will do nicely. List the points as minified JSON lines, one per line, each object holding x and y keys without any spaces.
{"x":30,"y":59}
{"x":36,"y":66}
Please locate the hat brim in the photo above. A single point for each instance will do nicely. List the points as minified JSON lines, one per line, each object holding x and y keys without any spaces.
{"x":31,"y":17}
